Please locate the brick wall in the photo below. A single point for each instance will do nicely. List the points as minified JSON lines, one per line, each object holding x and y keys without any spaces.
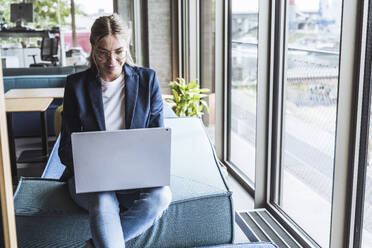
{"x":160,"y":40}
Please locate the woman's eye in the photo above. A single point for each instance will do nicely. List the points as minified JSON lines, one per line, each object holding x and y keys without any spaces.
{"x":101,"y":52}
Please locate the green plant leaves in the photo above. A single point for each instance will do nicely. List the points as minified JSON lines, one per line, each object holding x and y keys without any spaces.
{"x":175,"y":95}
{"x":187,"y":98}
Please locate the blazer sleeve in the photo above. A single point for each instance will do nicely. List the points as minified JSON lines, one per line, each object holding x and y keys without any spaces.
{"x":70,"y":123}
{"x":156,"y":108}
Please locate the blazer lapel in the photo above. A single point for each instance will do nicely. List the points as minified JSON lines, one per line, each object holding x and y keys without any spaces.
{"x":95,"y":94}
{"x":131,"y":93}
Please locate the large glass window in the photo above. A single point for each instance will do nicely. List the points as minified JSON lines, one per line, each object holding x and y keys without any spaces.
{"x":21,"y":47}
{"x":20,"y":43}
{"x":243,"y":86}
{"x":207,"y":52}
{"x":367,"y":221}
{"x":309,"y":114}
{"x":86,"y":12}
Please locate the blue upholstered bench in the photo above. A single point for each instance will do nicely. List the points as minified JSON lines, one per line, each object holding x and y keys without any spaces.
{"x":34,"y":81}
{"x":33,"y":119}
{"x":50,"y":70}
{"x":201,"y":212}
{"x":245,"y":245}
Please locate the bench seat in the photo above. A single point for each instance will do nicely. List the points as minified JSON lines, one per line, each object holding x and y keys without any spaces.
{"x":201,"y":212}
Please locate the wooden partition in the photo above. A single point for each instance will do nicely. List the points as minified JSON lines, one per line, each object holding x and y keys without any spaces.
{"x":6,"y":188}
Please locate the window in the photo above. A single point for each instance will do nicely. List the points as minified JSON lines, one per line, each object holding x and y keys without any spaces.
{"x":309,"y":114}
{"x":367,"y":222}
{"x":366,"y":168}
{"x":53,"y":15}
{"x":207,"y":19}
{"x":20,"y":47}
{"x":85,"y":15}
{"x":243,"y":86}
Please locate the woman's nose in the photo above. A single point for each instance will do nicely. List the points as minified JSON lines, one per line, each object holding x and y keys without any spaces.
{"x":111,"y":57}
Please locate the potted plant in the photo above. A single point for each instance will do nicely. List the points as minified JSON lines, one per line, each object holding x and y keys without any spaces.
{"x":187,"y":98}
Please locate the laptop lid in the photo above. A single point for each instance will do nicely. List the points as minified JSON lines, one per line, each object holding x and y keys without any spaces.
{"x":122,"y":159}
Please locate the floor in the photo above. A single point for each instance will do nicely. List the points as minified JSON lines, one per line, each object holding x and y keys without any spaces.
{"x":30,"y":169}
{"x":241,"y":199}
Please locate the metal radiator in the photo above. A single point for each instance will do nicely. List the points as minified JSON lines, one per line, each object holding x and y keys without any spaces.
{"x":260,"y":225}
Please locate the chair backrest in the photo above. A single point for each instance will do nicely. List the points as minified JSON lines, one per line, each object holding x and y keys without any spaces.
{"x":49,"y":49}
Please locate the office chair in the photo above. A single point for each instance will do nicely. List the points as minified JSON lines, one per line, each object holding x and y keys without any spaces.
{"x":49,"y":52}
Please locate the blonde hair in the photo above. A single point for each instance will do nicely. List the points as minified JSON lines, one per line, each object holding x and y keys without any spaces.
{"x":109,"y":25}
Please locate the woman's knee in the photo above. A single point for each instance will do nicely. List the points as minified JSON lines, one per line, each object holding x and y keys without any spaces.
{"x":161,"y":198}
{"x":165,"y":196}
{"x":104,"y":202}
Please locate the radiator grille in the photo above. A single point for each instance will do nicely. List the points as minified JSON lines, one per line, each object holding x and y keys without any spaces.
{"x":260,"y":225}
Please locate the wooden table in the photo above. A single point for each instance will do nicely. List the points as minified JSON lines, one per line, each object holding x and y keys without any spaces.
{"x":13,"y":105}
{"x":35,"y":93}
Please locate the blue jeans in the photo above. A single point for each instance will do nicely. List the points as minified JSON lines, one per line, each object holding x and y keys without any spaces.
{"x":145,"y":207}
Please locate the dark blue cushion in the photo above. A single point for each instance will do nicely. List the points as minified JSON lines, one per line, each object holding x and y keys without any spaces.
{"x":34,"y":81}
{"x":33,"y":127}
{"x":51,"y":70}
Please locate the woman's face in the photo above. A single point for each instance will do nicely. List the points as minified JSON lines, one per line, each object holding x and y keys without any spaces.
{"x":110,"y":54}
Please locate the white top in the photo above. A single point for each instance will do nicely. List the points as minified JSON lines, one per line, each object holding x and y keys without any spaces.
{"x":113,"y":94}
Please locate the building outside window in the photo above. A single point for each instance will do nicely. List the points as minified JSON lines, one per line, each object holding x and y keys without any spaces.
{"x":309,"y":114}
{"x":243,"y":86}
{"x":367,"y":219}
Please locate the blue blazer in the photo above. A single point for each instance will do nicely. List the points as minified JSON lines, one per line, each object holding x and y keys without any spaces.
{"x":83,"y":106}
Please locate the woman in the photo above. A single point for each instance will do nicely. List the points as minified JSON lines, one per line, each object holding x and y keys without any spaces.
{"x":113,"y":94}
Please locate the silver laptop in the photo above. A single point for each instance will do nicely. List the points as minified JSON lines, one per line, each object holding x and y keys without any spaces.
{"x":120,"y":160}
